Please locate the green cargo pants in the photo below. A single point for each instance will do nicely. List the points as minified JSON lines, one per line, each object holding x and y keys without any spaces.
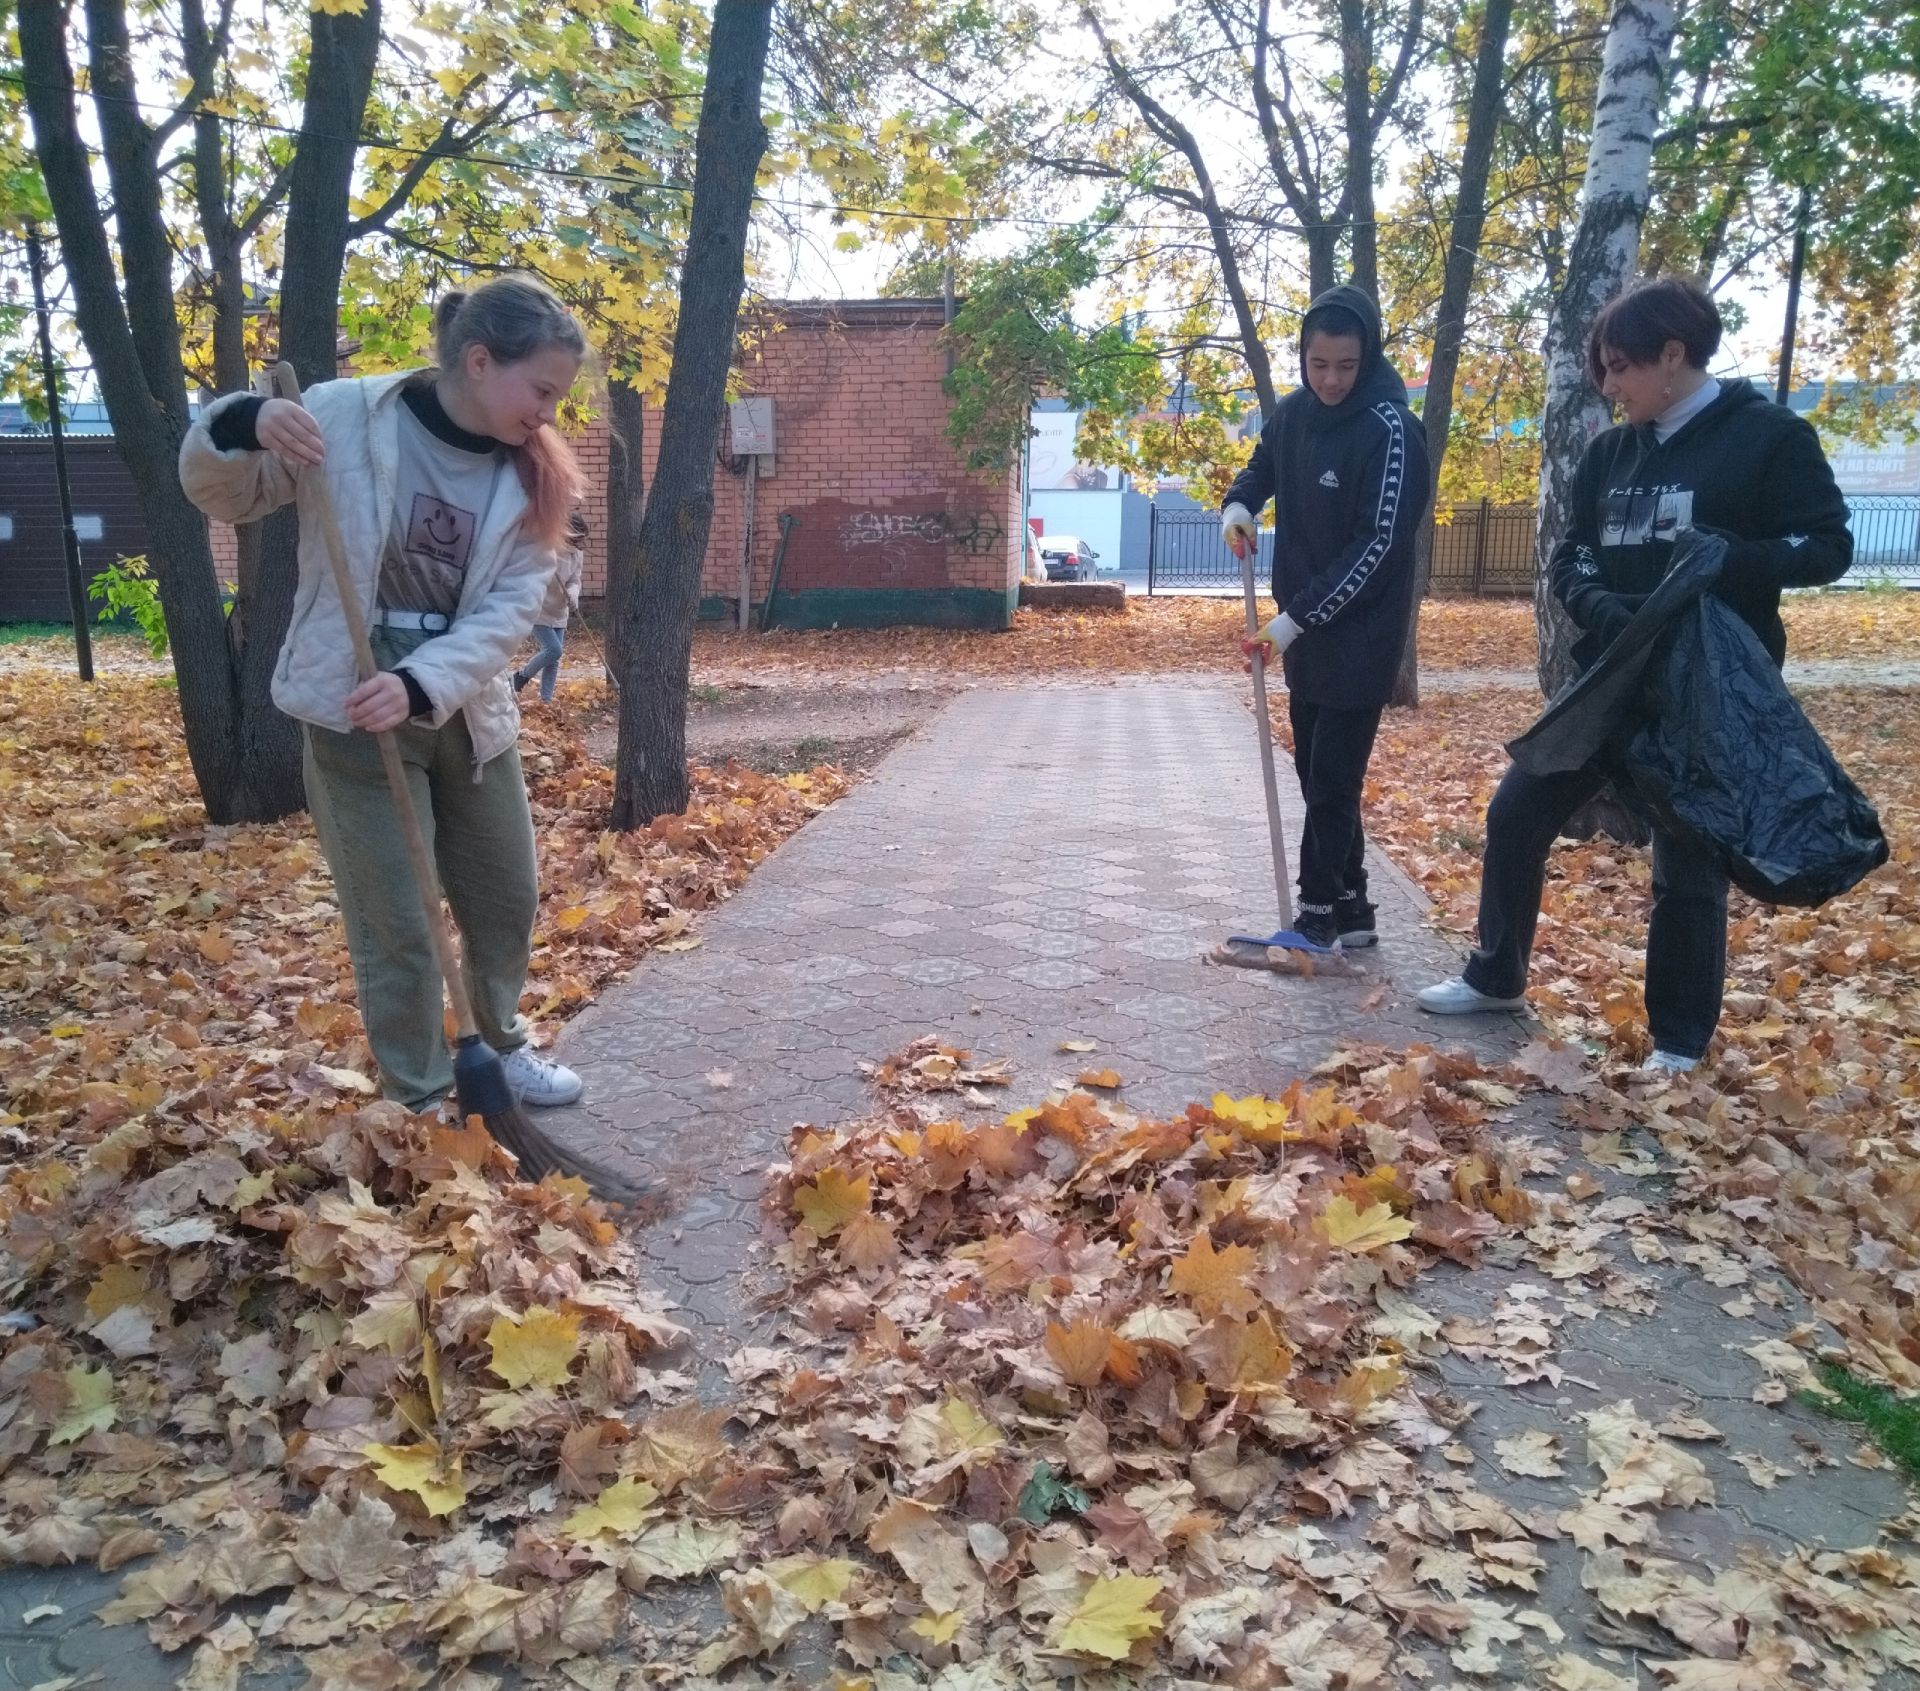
{"x":480,"y":833}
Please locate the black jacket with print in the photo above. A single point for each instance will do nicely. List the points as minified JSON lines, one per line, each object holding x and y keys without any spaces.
{"x":1745,"y":468}
{"x":1350,"y":485}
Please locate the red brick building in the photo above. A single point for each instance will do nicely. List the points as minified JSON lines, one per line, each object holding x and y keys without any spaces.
{"x":888,"y":525}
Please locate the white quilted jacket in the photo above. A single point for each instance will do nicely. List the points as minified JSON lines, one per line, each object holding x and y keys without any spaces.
{"x":463,"y":669}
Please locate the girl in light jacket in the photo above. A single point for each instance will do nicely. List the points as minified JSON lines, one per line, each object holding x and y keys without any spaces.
{"x":453,"y":488}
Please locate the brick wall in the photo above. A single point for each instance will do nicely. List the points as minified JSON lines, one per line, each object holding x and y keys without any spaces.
{"x":890,"y":526}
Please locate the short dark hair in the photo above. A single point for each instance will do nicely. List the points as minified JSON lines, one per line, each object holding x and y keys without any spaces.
{"x":1334,"y":320}
{"x":1638,"y":323}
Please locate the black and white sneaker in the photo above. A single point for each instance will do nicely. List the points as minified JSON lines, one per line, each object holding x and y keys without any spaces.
{"x":1353,"y":915}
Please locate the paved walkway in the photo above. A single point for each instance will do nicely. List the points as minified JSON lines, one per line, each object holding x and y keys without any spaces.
{"x":1037,"y":865}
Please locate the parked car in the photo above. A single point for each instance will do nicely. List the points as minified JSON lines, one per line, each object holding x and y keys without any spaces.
{"x":1068,"y":558}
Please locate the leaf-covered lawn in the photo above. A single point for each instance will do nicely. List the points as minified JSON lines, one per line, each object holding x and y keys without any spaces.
{"x":1061,"y":1392}
{"x":1196,"y":635}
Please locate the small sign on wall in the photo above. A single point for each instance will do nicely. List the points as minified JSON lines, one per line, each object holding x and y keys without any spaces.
{"x":752,"y":427}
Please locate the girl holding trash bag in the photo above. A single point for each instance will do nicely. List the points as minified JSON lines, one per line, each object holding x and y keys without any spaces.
{"x":453,"y":489}
{"x":1690,"y":453}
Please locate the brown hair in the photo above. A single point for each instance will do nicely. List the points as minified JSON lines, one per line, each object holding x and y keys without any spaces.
{"x":514,"y":317}
{"x":1638,"y":323}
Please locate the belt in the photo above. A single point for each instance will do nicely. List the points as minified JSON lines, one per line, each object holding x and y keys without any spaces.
{"x":426,"y":622}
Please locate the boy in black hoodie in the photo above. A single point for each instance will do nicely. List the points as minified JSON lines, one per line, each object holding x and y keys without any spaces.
{"x":1692,"y":453}
{"x":1345,"y":462}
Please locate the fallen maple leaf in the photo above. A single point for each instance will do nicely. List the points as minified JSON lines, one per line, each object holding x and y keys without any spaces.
{"x":1081,"y":1351}
{"x":1531,"y":1455}
{"x":535,"y":1349}
{"x":1111,"y":1617}
{"x":1107,"y":1080}
{"x":832,"y":1201}
{"x":89,"y":1408}
{"x":621,"y":1509}
{"x":1216,"y":1281}
{"x":1349,"y":1229}
{"x":422,"y":1469}
{"x":815,"y":1580}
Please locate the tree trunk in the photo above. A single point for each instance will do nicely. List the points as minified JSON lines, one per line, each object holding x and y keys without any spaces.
{"x":1356,"y":98}
{"x":659,"y":603}
{"x":134,"y":344}
{"x":1613,"y":203}
{"x":626,"y":501}
{"x":319,"y":189}
{"x":1456,"y":289}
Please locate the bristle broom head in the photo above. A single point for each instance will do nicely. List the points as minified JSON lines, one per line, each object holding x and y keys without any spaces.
{"x":480,"y":1085}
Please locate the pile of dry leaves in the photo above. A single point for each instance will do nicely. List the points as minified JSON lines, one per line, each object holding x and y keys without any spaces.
{"x":233,"y":1286}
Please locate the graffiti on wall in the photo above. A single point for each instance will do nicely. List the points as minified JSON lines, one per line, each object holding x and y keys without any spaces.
{"x":895,"y":532}
{"x":918,"y":541}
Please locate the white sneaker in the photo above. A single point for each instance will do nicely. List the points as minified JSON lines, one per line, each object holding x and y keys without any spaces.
{"x":1665,"y":1062}
{"x":1456,"y":998}
{"x":539,"y":1080}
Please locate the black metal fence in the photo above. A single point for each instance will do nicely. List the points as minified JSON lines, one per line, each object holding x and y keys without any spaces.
{"x":1185,"y":553}
{"x":1488,"y":551}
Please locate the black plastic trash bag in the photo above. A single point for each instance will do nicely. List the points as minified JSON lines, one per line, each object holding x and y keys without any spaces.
{"x":1700,"y":734}
{"x":1727,"y":755}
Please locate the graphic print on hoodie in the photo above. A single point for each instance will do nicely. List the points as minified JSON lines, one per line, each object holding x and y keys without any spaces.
{"x":1350,"y":485}
{"x":1743,"y":467}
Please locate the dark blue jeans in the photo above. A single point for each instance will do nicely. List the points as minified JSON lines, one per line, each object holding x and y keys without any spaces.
{"x":1686,"y":934}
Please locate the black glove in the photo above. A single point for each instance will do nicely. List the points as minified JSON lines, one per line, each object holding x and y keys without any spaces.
{"x":1609,"y":613}
{"x":1724,"y":577}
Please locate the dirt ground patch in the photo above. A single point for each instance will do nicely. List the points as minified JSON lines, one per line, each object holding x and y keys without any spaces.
{"x":783,"y":725}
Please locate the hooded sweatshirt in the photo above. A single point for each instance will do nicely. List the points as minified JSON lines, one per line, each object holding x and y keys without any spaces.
{"x":1742,"y":467}
{"x":1350,"y":485}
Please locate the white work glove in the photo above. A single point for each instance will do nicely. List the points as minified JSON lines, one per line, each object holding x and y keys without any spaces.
{"x":1280,"y":633}
{"x":1274,"y":639}
{"x":1237,"y":530}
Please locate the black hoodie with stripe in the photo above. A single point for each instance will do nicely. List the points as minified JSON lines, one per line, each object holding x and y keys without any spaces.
{"x":1350,"y":485}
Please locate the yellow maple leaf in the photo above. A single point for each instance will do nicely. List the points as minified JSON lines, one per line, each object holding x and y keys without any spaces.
{"x":815,"y":1580}
{"x":621,"y":1508}
{"x":423,"y":1469}
{"x":536,"y":1350}
{"x":1216,"y":1280}
{"x":1370,"y":1379}
{"x":832,"y":1201}
{"x":970,"y":1429}
{"x":89,"y":1405}
{"x":1111,"y":1617}
{"x":1350,"y":1229}
{"x":1080,"y":1351}
{"x":1262,"y":1121}
{"x":938,"y":1628}
{"x":114,"y":1287}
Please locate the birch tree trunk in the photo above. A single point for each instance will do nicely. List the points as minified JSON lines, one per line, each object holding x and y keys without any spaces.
{"x":1613,"y":204}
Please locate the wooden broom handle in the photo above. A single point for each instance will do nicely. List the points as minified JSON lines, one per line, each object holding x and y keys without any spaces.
{"x":426,"y":876}
{"x":1276,"y":829}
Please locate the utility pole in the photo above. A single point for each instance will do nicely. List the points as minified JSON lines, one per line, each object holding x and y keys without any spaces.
{"x":76,"y":590}
{"x":1795,"y":271}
